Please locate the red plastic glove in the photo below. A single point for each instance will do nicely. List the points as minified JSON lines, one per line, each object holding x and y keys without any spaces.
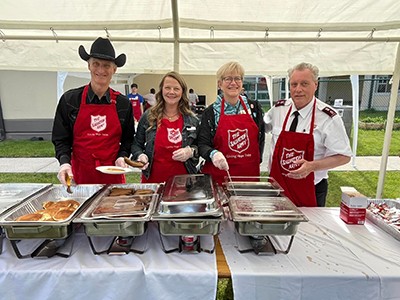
{"x":219,"y":161}
{"x":65,"y":170}
{"x":144,"y":159}
{"x":182,"y":154}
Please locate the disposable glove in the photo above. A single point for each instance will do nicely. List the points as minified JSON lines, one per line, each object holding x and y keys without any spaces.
{"x":219,"y":161}
{"x":120,"y":162}
{"x":144,"y":159}
{"x":182,"y":154}
{"x":65,"y":170}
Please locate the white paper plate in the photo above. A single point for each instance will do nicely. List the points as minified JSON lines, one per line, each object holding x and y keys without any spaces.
{"x":113,"y":170}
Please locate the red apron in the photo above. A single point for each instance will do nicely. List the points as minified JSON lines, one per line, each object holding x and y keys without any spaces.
{"x":97,"y":135}
{"x":237,"y":138}
{"x":168,"y":139}
{"x":137,"y":112}
{"x":290,"y":147}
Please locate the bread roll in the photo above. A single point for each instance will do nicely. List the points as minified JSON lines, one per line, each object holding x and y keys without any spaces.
{"x":30,"y":217}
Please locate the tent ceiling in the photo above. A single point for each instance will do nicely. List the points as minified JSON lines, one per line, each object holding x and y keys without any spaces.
{"x":196,"y":37}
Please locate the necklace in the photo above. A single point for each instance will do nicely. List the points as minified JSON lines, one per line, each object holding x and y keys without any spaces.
{"x":171,"y":117}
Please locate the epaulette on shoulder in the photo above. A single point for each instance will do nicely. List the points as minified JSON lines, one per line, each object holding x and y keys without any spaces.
{"x":329,"y":111}
{"x":280,"y":102}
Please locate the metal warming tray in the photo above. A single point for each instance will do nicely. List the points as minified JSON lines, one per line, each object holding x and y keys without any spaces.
{"x":265,"y":215}
{"x":390,"y":227}
{"x":252,"y":186}
{"x":45,"y":229}
{"x":12,"y":194}
{"x":124,"y":218}
{"x":189,"y":195}
{"x":189,"y":205}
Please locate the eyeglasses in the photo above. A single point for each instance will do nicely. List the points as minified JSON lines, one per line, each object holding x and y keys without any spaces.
{"x":229,"y":79}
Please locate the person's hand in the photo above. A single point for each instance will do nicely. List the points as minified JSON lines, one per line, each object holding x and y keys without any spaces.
{"x":182,"y":154}
{"x":65,"y":170}
{"x":144,"y":159}
{"x":120,"y":162}
{"x":305,"y":168}
{"x":219,"y":161}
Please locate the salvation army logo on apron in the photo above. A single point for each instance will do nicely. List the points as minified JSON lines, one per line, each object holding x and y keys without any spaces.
{"x":98,"y":123}
{"x":289,"y":158}
{"x":238,"y":140}
{"x":174,"y":135}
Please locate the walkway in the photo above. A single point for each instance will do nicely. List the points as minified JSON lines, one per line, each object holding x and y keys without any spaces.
{"x":50,"y":164}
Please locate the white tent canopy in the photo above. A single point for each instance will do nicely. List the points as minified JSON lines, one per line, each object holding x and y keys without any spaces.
{"x":195,"y":37}
{"x":346,"y":37}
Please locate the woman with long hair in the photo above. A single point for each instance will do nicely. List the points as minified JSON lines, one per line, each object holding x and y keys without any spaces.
{"x":166,"y":138}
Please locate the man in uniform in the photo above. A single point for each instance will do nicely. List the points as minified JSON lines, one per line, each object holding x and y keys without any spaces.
{"x":308,"y":139}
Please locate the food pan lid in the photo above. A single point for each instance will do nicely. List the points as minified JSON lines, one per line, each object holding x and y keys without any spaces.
{"x":239,"y":184}
{"x":188,"y":188}
{"x":13,"y":193}
{"x":81,"y":193}
{"x":264,"y":208}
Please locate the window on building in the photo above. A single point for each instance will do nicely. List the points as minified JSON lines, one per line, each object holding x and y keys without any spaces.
{"x":382,"y":84}
{"x":256,"y":88}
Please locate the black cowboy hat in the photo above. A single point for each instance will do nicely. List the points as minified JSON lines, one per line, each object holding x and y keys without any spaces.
{"x":102,"y":49}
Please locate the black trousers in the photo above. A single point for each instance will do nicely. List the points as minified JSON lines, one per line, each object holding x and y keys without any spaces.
{"x":321,"y":191}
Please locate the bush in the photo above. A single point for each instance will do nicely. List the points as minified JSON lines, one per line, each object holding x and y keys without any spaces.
{"x":379,"y":119}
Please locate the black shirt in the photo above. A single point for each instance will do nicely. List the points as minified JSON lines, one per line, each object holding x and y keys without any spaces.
{"x":67,"y":112}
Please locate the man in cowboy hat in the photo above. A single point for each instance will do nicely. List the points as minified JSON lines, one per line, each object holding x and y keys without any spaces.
{"x":93,"y":124}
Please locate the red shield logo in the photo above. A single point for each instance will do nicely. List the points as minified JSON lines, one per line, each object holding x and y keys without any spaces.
{"x":98,"y":123}
{"x":174,"y":135}
{"x":289,"y":158}
{"x":238,"y":140}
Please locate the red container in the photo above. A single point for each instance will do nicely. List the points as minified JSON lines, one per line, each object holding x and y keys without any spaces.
{"x":352,"y":215}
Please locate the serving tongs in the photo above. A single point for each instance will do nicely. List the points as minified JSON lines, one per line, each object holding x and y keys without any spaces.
{"x":68,"y":180}
{"x":231,"y":181}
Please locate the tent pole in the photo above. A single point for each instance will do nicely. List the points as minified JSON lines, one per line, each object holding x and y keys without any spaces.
{"x":389,"y":125}
{"x":355,"y":111}
{"x":175,"y":22}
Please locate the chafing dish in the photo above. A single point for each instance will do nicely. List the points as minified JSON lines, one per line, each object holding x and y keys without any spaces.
{"x":260,"y":217}
{"x":265,"y":215}
{"x":189,"y":207}
{"x":252,"y":186}
{"x":54,"y":233}
{"x":124,"y":220}
{"x":44,"y":229}
{"x":11,"y":194}
{"x":386,"y":215}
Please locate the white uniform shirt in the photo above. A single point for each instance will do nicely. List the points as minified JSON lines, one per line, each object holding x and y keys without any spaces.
{"x":330,"y":135}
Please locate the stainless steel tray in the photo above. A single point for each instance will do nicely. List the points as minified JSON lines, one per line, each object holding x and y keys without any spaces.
{"x":252,"y":186}
{"x":45,"y":229}
{"x":190,"y":210}
{"x":245,"y":208}
{"x":263,"y":228}
{"x":180,"y":226}
{"x":265,"y":215}
{"x":12,"y":194}
{"x":117,"y":225}
{"x":379,"y":221}
{"x":188,"y":189}
{"x":188,"y":196}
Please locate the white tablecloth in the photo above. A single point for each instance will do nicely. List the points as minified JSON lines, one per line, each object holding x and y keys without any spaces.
{"x":83,"y":275}
{"x":328,"y":260}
